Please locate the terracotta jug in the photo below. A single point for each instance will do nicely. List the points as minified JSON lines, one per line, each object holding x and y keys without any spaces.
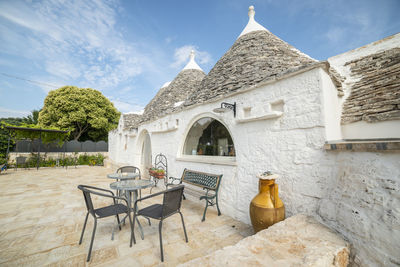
{"x":266,"y":208}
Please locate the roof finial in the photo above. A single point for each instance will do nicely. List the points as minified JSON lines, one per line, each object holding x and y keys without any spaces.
{"x":192,"y":64}
{"x":251,"y":12}
{"x":252,"y":25}
{"x":192,"y":54}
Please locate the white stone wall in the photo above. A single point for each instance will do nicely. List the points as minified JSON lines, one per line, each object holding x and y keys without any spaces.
{"x":363,"y":204}
{"x":330,"y":186}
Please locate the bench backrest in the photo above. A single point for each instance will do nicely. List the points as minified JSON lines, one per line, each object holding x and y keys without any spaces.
{"x":202,"y":179}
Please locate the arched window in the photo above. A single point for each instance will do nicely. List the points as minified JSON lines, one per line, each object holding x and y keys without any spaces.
{"x":209,"y":137}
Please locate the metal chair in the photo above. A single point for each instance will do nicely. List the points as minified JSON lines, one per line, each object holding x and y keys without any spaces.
{"x":131,"y":169}
{"x":20,"y":161}
{"x":103,"y":212}
{"x":171,"y":204}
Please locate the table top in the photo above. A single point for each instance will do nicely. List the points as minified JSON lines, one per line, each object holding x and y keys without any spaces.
{"x":131,"y":185}
{"x":123,"y":175}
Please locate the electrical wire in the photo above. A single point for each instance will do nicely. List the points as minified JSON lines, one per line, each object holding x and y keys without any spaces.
{"x":23,"y":79}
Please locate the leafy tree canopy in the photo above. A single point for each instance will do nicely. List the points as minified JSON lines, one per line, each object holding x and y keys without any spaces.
{"x":4,"y":133}
{"x":84,"y":111}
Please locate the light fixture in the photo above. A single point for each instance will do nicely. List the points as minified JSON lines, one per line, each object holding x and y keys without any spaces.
{"x":226,"y":107}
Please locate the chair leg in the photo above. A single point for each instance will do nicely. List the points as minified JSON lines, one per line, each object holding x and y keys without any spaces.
{"x":205,"y":210}
{"x":183,"y":196}
{"x":148,"y":219}
{"x":132,"y":229}
{"x":216,"y":201}
{"x":161,"y":247}
{"x":184,"y":228}
{"x":83,"y":230}
{"x":91,"y":242}
{"x":119,"y":223}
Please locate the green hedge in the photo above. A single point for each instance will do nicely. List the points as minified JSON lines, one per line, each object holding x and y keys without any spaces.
{"x":85,"y":159}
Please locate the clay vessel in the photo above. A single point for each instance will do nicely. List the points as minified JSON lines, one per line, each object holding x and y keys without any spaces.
{"x":266,"y":208}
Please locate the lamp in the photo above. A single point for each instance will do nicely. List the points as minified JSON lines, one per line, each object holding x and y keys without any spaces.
{"x":226,"y":107}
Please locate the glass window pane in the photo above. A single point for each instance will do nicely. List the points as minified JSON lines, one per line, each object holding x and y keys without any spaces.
{"x":209,"y":137}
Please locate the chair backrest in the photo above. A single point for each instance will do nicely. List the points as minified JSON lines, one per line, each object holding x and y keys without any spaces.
{"x":172,"y":200}
{"x":160,"y":162}
{"x":20,"y":160}
{"x":129,"y":169}
{"x":88,"y":198}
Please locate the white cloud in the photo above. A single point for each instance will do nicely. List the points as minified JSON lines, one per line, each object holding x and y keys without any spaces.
{"x":125,"y":107}
{"x":75,"y":41}
{"x":5,"y":113}
{"x":335,"y":34}
{"x":181,"y":56}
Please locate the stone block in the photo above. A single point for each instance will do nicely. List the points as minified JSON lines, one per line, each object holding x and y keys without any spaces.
{"x":297,"y":241}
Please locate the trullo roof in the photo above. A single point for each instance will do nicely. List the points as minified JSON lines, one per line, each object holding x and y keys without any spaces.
{"x":255,"y":56}
{"x":171,"y":96}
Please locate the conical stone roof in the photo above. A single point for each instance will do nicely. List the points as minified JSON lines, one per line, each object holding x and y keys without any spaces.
{"x":171,"y":97}
{"x":131,"y":120}
{"x":255,"y":56}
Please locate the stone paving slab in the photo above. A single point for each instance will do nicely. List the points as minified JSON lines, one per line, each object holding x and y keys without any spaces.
{"x":42,"y":214}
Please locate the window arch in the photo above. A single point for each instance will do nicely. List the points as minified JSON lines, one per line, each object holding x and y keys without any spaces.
{"x":209,"y":137}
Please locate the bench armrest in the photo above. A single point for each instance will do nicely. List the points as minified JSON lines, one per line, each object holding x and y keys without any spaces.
{"x":208,"y":188}
{"x":175,"y":179}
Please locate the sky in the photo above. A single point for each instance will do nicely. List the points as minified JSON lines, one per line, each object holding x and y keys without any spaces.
{"x":129,"y":49}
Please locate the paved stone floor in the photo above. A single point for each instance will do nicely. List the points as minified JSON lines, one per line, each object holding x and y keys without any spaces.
{"x":42,"y":213}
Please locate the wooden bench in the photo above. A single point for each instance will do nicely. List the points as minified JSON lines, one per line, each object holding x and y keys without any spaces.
{"x":207,"y":181}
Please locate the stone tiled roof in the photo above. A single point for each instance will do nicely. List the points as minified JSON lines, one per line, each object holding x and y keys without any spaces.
{"x":130,"y":120}
{"x":375,"y":96}
{"x":254,"y":57}
{"x":168,"y":98}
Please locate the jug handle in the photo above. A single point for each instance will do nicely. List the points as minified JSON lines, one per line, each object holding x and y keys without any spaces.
{"x":272,"y":194}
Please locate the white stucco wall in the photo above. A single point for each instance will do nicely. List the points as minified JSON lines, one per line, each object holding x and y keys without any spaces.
{"x":331,"y":186}
{"x":363,"y":204}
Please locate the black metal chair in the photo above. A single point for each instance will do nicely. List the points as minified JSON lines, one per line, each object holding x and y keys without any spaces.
{"x":131,"y":169}
{"x":20,"y":161}
{"x":171,"y":204}
{"x":113,"y":210}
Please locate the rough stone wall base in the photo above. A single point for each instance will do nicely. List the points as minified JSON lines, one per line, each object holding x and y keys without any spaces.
{"x":297,"y":241}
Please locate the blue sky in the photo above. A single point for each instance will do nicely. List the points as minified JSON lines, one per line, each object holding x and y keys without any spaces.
{"x":129,"y":49}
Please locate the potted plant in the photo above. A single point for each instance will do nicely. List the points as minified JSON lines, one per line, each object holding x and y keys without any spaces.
{"x":157,"y":173}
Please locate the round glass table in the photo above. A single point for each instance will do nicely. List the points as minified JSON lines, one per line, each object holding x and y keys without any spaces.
{"x":130,"y":189}
{"x":123,"y":175}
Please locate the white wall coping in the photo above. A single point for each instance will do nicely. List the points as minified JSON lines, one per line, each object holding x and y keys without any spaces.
{"x":270,"y":115}
{"x":214,"y":160}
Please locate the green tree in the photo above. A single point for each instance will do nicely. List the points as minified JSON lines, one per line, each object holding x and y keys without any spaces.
{"x":33,"y":119}
{"x":84,"y":111}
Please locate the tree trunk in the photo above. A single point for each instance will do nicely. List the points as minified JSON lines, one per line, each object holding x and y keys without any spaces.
{"x":79,"y":131}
